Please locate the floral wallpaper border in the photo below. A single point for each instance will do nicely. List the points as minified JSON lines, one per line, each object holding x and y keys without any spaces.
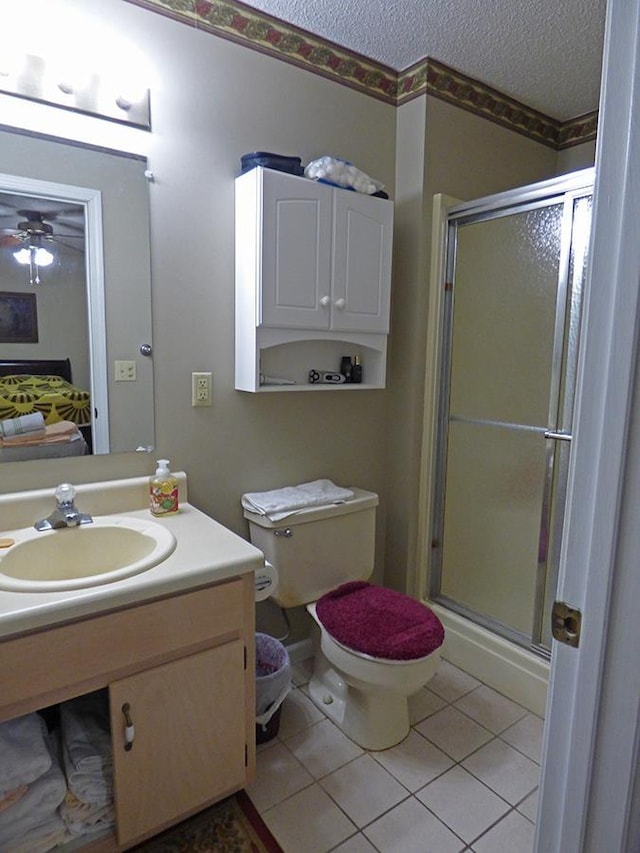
{"x":234,"y":21}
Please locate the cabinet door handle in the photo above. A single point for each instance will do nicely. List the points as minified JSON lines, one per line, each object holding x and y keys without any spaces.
{"x":129,"y":728}
{"x":340,"y":303}
{"x":325,"y":301}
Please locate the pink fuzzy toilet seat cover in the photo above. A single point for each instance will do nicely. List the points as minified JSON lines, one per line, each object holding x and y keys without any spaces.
{"x":379,"y":622}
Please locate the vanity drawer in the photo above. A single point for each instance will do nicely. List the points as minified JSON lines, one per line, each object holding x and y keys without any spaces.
{"x":51,"y":665}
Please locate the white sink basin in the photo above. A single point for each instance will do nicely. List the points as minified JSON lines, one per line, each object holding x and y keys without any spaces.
{"x":109,"y":549}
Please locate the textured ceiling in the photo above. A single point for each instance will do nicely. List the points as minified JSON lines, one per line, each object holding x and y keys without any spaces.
{"x":546,"y":54}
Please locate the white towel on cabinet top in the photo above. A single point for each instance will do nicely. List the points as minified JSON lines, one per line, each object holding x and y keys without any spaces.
{"x":280,"y":503}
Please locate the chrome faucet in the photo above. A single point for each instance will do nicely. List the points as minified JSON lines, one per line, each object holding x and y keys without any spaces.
{"x":65,"y":514}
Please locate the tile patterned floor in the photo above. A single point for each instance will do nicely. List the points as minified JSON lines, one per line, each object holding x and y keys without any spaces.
{"x":465,"y":778}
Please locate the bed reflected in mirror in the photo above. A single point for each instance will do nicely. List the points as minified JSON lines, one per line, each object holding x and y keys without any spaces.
{"x":43,"y":415}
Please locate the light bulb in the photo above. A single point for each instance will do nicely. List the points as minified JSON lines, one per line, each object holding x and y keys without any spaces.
{"x":22,"y":256}
{"x":43,"y":257}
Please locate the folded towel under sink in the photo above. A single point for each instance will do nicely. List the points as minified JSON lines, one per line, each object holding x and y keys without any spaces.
{"x":24,"y":751}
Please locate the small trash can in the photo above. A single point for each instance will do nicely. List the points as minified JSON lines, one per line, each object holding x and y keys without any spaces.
{"x":273,"y":682}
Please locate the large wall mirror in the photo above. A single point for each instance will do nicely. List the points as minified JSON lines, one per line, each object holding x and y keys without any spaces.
{"x":86,"y":307}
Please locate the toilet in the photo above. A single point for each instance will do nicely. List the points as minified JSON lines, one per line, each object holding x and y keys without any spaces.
{"x":374,"y":647}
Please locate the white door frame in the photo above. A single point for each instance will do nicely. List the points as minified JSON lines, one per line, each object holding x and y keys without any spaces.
{"x":589,"y":798}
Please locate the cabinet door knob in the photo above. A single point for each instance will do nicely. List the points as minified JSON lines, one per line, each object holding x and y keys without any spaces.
{"x":340,"y":303}
{"x":129,"y":728}
{"x":325,"y":301}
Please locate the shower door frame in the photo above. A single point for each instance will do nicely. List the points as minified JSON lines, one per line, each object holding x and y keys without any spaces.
{"x":449,"y":214}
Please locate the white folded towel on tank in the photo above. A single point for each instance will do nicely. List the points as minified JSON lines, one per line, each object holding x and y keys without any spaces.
{"x":280,"y":503}
{"x":24,"y":755}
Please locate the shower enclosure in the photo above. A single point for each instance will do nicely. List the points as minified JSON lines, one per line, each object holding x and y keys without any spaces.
{"x":513,"y":279}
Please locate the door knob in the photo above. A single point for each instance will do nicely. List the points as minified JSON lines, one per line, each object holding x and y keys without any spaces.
{"x":340,"y":303}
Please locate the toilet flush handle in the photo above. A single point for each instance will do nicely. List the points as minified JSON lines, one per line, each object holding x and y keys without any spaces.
{"x":287,"y":532}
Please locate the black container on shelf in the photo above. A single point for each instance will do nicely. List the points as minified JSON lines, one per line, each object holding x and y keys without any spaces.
{"x":279,"y":162}
{"x":356,"y":370}
{"x":346,"y":367}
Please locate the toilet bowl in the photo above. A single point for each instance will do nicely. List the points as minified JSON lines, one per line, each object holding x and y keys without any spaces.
{"x":362,"y":679}
{"x":366,"y":696}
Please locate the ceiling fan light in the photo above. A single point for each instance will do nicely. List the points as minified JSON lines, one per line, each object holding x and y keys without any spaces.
{"x":22,"y":256}
{"x":43,"y":257}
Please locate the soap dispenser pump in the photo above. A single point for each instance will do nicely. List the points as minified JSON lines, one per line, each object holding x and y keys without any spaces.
{"x":163,"y":490}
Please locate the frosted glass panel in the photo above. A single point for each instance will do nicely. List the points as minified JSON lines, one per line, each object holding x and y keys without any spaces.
{"x":493,"y":498}
{"x":504,"y":294}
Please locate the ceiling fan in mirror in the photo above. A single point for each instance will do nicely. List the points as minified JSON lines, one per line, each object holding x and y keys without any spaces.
{"x":33,"y":237}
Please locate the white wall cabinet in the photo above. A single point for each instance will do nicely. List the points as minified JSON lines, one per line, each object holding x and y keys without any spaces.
{"x":313,"y":280}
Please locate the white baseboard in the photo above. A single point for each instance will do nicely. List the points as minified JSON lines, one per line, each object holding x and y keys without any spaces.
{"x":301,"y":650}
{"x":507,"y":668}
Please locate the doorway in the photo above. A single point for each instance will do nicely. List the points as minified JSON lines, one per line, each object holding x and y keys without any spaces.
{"x":514,"y":269}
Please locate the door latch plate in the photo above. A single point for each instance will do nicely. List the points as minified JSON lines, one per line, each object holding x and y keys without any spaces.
{"x":566,"y":623}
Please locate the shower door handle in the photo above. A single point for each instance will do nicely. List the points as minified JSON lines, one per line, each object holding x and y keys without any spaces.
{"x":559,"y":436}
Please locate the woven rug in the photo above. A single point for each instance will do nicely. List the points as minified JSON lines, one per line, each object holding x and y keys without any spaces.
{"x":231,"y":826}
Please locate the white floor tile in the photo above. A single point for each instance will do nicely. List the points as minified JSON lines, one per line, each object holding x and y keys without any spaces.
{"x":356,"y":844}
{"x":489,"y":708}
{"x":364,"y":790}
{"x":278,"y":776}
{"x":322,"y":748}
{"x":505,"y":770}
{"x":410,"y":827}
{"x":424,"y":703}
{"x":526,"y":736}
{"x":454,"y":733}
{"x":298,"y":713}
{"x":308,"y":821}
{"x":514,"y":834}
{"x":529,"y":806}
{"x":463,"y":803}
{"x":414,"y":762}
{"x":316,"y":788}
{"x":451,"y":683}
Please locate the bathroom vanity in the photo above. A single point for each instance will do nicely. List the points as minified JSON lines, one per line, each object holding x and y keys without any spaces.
{"x":173,"y":645}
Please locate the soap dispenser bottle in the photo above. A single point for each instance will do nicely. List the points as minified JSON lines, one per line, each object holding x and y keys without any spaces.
{"x":163,"y":490}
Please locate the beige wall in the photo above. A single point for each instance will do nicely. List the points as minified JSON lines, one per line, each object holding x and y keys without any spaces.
{"x":213,"y":101}
{"x":61,"y":305}
{"x":577,"y":157}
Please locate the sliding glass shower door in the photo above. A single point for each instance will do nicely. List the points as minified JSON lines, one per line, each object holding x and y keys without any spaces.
{"x":515,"y":270}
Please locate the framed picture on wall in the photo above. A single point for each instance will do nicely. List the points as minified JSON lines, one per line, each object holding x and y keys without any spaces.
{"x":18,"y":318}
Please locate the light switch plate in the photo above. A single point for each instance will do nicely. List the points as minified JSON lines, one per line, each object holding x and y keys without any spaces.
{"x":125,"y":371}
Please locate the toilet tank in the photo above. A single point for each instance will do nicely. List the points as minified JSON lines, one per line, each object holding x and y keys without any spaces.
{"x":317,"y":549}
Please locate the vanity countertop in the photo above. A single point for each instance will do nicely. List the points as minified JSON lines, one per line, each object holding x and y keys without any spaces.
{"x":205,"y":553}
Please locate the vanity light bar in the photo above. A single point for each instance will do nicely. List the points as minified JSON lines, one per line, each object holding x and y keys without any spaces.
{"x":91,"y":94}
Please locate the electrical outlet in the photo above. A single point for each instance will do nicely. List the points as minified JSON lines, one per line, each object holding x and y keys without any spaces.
{"x":200,"y":389}
{"x":125,"y":371}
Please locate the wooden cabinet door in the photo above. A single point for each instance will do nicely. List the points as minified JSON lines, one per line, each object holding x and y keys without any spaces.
{"x":362,"y":239}
{"x":189,"y":745}
{"x":296,"y":252}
